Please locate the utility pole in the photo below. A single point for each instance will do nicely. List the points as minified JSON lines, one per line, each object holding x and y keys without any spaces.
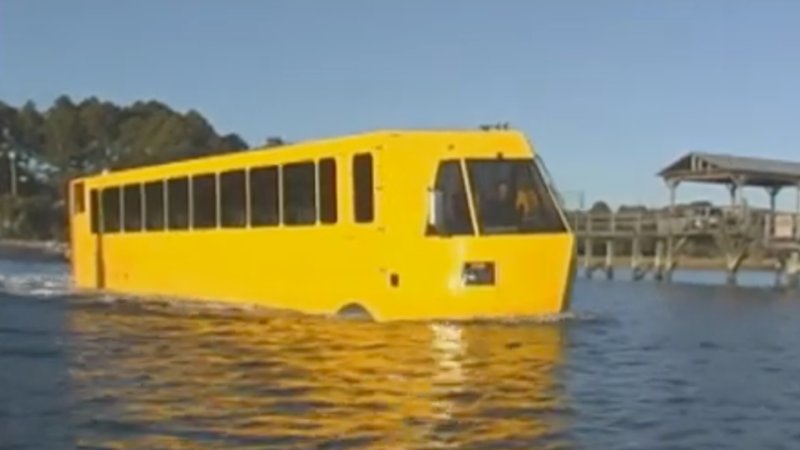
{"x":12,"y":162}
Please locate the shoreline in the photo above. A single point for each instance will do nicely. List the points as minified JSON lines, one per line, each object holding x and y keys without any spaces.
{"x":688,"y":263}
{"x":23,"y":249}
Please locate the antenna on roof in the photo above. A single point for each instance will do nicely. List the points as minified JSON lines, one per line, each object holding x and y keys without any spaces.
{"x":496,"y":126}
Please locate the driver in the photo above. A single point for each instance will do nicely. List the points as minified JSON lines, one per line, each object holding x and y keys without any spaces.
{"x":500,"y":208}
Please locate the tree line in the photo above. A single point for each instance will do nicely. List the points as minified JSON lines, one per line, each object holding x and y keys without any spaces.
{"x":41,"y":149}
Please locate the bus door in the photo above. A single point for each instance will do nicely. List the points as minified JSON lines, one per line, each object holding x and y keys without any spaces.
{"x":82,"y":227}
{"x":99,"y":251}
{"x":367,"y":233}
{"x":94,"y":246}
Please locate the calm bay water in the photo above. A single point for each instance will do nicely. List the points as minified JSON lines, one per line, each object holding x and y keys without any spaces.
{"x":634,"y":365}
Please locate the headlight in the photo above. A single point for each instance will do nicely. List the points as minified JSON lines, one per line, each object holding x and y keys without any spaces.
{"x":478,"y":273}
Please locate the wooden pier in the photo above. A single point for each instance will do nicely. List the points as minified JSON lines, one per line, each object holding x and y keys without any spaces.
{"x":657,"y":240}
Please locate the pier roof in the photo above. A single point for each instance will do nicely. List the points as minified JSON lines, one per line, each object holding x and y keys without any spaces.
{"x":725,"y":169}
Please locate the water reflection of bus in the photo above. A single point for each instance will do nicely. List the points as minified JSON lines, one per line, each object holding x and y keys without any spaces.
{"x":237,"y":380}
{"x":336,"y":226}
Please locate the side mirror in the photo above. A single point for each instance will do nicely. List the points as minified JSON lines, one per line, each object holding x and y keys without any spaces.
{"x":436,"y":210}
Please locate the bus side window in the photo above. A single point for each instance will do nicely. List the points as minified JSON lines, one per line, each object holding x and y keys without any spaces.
{"x":94,"y":211}
{"x":154,"y":205}
{"x":232,"y":198}
{"x":132,"y":205}
{"x":264,"y":199}
{"x":178,"y":203}
{"x":299,"y":194}
{"x":363,"y":188}
{"x":204,"y":201}
{"x":78,"y":199}
{"x":111,"y":209}
{"x":327,"y":191}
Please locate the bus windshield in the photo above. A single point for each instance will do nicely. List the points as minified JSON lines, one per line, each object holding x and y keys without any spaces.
{"x":511,"y":196}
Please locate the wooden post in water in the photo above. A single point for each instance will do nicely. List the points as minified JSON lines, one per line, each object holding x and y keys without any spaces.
{"x":769,"y":232}
{"x":780,"y":269}
{"x":669,"y":264}
{"x":736,"y":249}
{"x":730,"y":271}
{"x":797,"y":214}
{"x":792,"y":270}
{"x":610,"y":248}
{"x":791,"y":267}
{"x":588,"y":247}
{"x":636,"y":250}
{"x":658,"y":266}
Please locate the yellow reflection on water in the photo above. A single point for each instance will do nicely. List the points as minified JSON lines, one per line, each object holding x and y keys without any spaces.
{"x":177,"y":378}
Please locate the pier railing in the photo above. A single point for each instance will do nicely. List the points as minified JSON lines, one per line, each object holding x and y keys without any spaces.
{"x":661,"y":224}
{"x":657,"y":223}
{"x":735,"y":233}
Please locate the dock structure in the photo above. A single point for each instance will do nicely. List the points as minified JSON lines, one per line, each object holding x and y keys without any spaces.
{"x":737,"y":232}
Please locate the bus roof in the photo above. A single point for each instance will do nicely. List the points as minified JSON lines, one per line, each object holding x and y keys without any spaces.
{"x":322,"y":142}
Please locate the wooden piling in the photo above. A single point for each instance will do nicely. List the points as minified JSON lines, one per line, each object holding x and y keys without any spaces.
{"x":792,"y":271}
{"x":658,"y":266}
{"x":588,"y":248}
{"x":609,"y":266}
{"x":636,"y":258}
{"x":637,"y":263}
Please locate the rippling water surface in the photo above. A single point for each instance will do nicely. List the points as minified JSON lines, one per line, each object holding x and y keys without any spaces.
{"x":635,"y":365}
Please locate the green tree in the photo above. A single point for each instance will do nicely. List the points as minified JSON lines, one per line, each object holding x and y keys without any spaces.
{"x":64,"y":134}
{"x":600,"y":207}
{"x":30,"y":127}
{"x":69,"y":140}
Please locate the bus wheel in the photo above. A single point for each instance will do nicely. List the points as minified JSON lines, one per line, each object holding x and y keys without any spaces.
{"x":354,"y":311}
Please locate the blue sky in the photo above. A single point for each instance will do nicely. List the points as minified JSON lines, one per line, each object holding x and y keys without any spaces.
{"x":609,"y":92}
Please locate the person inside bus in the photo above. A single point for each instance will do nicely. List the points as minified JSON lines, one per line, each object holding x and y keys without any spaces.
{"x":526,"y":201}
{"x":500,"y":209}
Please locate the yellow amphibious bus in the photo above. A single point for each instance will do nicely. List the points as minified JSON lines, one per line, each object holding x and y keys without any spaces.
{"x":392,"y":225}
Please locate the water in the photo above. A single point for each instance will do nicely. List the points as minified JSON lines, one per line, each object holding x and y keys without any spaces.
{"x":635,"y":365}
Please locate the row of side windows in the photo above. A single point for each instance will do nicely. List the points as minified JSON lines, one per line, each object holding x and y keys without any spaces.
{"x":308,"y":191}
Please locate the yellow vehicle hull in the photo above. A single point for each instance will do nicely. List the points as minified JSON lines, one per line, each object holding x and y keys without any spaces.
{"x":388,"y":268}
